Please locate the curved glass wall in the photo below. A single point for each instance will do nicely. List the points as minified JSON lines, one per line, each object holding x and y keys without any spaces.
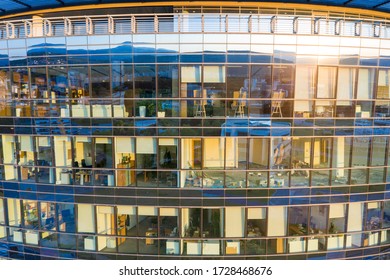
{"x":187,"y":141}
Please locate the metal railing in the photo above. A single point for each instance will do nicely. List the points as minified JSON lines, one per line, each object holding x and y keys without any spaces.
{"x":196,"y":23}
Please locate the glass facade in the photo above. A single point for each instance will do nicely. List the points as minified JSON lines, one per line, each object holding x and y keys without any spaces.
{"x":234,"y":135}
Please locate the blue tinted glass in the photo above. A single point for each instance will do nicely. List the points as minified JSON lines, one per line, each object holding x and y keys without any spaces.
{"x":55,"y":41}
{"x":167,"y":58}
{"x":96,"y":40}
{"x":17,"y":43}
{"x":76,"y":40}
{"x":191,"y":58}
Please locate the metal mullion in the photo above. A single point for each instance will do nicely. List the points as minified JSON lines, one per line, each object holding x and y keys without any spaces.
{"x":386,"y":159}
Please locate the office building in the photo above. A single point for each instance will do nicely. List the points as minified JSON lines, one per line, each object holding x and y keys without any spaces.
{"x":194,"y":129}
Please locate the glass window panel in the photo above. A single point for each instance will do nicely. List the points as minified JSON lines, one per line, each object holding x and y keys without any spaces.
{"x":191,"y":74}
{"x":213,"y":223}
{"x":337,"y":216}
{"x":148,"y":223}
{"x":67,"y":241}
{"x":382,"y":109}
{"x":214,"y":89}
{"x":100,"y":81}
{"x":281,"y":155}
{"x":20,"y":87}
{"x":345,"y":92}
{"x":63,"y":159}
{"x":5,"y":93}
{"x":383,"y":89}
{"x":318,"y":219}
{"x":235,"y":217}
{"x":213,"y":153}
{"x":44,"y":151}
{"x":168,"y":81}
{"x":277,"y":221}
{"x":49,"y":239}
{"x":85,"y":218}
{"x":79,"y":87}
{"x":39,"y":83}
{"x":82,"y":159}
{"x":341,"y":157}
{"x":167,"y":108}
{"x":297,"y":220}
{"x":127,"y":221}
{"x":26,"y":157}
{"x":105,"y":223}
{"x":305,"y":90}
{"x":378,"y":151}
{"x":322,"y":152}
{"x":258,"y":153}
{"x":145,"y":81}
{"x":2,"y":212}
{"x":58,"y":80}
{"x":191,"y":158}
{"x":146,"y":153}
{"x":236,"y":179}
{"x":3,"y":232}
{"x":169,"y":222}
{"x":386,"y":214}
{"x":125,"y":161}
{"x":256,"y":222}
{"x":237,"y":159}
{"x":237,"y":87}
{"x":326,"y":85}
{"x":283,"y":79}
{"x":168,"y":153}
{"x":373,"y":216}
{"x":360,"y":153}
{"x":103,"y":152}
{"x":214,"y":74}
{"x":31,"y":217}
{"x":66,"y":217}
{"x":48,"y":215}
{"x":122,"y":89}
{"x":14,"y":213}
{"x":355,"y":217}
{"x":366,"y":81}
{"x":260,"y":82}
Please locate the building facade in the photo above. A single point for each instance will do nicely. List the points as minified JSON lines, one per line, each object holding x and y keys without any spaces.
{"x":191,"y":130}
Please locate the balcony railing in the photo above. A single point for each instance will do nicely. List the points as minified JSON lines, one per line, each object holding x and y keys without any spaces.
{"x":193,"y":23}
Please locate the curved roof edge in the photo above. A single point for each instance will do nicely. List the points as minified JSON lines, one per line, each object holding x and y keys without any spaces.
{"x":14,"y":8}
